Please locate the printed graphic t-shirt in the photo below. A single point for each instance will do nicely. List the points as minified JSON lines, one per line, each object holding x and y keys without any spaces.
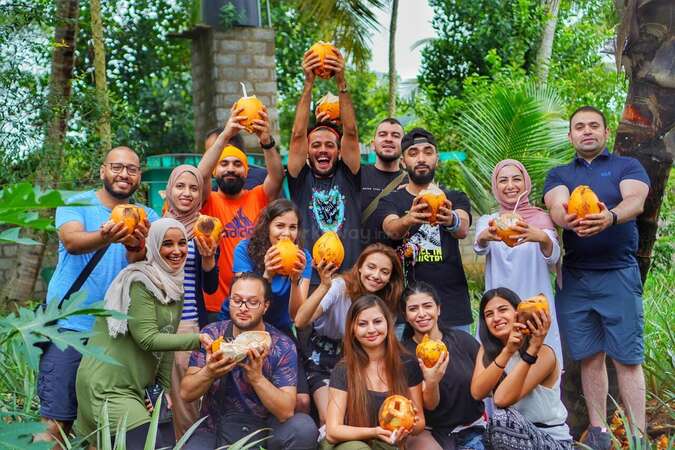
{"x":238,"y":216}
{"x":432,"y":255}
{"x":329,"y":204}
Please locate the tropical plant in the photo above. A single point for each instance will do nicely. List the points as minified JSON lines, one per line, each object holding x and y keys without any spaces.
{"x":511,"y":122}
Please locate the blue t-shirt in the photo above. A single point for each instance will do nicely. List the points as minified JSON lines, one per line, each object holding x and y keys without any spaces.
{"x":615,"y":247}
{"x":277,"y":314}
{"x":69,"y":266}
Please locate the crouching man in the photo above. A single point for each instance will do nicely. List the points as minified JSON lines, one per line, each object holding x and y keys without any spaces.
{"x":258,"y":392}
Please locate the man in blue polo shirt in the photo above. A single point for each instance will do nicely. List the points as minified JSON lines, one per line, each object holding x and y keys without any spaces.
{"x":82,"y":231}
{"x":600,"y":302}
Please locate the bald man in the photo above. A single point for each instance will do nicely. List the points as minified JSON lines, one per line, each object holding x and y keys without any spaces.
{"x":82,"y":231}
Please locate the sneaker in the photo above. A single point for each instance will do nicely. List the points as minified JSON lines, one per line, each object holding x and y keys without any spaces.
{"x":597,"y":438}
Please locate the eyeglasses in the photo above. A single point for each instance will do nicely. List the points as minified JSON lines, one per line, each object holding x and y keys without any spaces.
{"x":250,"y":304}
{"x":118,"y":167}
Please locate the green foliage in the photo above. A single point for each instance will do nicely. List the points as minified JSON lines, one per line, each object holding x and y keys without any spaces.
{"x":468,"y":31}
{"x":663,"y":253}
{"x":523,"y":123}
{"x":229,"y":15}
{"x":244,"y":444}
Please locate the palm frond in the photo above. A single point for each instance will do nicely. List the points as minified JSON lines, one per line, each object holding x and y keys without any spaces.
{"x":523,"y":123}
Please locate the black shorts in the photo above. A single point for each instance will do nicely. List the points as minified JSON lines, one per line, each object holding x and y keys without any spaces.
{"x":56,"y":383}
{"x":321,"y":357}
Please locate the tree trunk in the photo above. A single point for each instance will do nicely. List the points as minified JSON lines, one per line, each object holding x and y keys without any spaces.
{"x":646,"y":49}
{"x":29,"y":258}
{"x":546,"y":47}
{"x":392,"y":58}
{"x":100,"y":77}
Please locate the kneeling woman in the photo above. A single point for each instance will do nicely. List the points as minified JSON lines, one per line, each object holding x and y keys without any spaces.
{"x":456,"y":419}
{"x":373,"y":368}
{"x":377,"y":271}
{"x":151,"y":294}
{"x":523,"y":375}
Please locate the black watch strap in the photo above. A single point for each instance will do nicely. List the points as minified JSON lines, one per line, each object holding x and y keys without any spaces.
{"x":615,"y":218}
{"x":272,"y":144}
{"x":529,"y":359}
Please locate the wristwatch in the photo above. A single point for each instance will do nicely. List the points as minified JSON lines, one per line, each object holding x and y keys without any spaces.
{"x":615,"y":218}
{"x":529,"y":359}
{"x":271,"y":144}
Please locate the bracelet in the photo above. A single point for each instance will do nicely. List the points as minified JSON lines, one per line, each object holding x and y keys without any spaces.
{"x":495,"y":362}
{"x":272,"y":144}
{"x":615,"y":217}
{"x":529,"y":359}
{"x":456,"y":223}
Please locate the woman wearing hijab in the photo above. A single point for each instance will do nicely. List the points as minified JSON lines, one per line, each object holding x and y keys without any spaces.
{"x":525,"y":268}
{"x":150,"y":295}
{"x":183,"y":202}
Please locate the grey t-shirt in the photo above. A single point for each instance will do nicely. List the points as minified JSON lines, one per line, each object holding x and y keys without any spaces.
{"x":334,"y":304}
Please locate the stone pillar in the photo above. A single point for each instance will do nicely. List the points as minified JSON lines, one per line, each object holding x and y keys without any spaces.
{"x":220,"y":61}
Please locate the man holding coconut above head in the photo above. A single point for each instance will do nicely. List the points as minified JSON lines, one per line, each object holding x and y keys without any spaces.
{"x":425,"y":224}
{"x":324,"y":166}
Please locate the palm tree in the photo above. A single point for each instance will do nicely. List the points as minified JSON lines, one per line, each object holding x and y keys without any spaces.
{"x":548,"y":33}
{"x":347,"y":23}
{"x":513,"y":122}
{"x":647,"y":129}
{"x":100,"y":77}
{"x":48,"y":174}
{"x":392,"y":58}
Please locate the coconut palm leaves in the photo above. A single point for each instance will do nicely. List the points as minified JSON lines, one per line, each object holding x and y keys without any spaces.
{"x":523,"y":123}
{"x":347,"y":23}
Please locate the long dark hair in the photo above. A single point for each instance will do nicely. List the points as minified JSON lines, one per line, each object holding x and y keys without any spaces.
{"x":260,"y":239}
{"x":356,"y":360}
{"x":491,"y":345}
{"x":391,"y":292}
{"x":418,"y":287}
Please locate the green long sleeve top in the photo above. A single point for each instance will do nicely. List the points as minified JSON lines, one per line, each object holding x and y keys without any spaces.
{"x":145,"y":353}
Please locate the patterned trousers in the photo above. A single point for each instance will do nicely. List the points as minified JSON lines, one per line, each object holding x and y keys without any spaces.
{"x":509,"y":430}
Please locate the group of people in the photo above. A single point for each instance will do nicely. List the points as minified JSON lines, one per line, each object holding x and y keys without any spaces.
{"x":343,"y":338}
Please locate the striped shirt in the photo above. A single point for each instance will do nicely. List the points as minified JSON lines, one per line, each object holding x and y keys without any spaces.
{"x":189,"y":285}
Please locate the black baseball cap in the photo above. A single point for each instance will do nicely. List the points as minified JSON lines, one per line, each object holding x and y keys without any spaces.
{"x":417,"y":136}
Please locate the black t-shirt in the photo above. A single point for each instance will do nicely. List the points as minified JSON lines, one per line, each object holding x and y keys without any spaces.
{"x":329,"y":204}
{"x":456,"y":406}
{"x":373,"y":181}
{"x":338,"y":380}
{"x":432,"y":255}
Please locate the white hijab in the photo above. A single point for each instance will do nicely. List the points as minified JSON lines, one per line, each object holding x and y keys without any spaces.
{"x":165,"y":283}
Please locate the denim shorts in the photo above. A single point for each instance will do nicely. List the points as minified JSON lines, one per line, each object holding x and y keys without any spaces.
{"x":601,"y":311}
{"x":56,"y":383}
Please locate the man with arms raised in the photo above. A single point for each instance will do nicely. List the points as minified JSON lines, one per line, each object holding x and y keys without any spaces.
{"x":82,"y":231}
{"x":258,"y":392}
{"x":256,"y":175}
{"x":323,"y":167}
{"x":600,"y":303}
{"x":236,"y":207}
{"x":430,"y":251}
{"x":378,"y":180}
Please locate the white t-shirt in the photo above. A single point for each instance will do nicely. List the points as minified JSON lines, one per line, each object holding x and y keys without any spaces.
{"x":334,"y":304}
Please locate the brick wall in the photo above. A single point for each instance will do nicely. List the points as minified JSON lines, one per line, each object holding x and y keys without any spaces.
{"x":220,"y":61}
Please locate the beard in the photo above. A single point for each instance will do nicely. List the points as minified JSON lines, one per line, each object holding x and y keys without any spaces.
{"x":421,"y":179}
{"x":230,"y":187}
{"x":387,"y":158}
{"x":327,"y":173}
{"x":246,"y":326}
{"x":119,"y":195}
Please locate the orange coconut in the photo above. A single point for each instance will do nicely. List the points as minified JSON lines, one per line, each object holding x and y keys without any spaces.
{"x":130,"y":215}
{"x":208,"y":227}
{"x":397,"y":412}
{"x":329,"y":248}
{"x":528,"y":306}
{"x":330,"y":104}
{"x":582,"y":202}
{"x":252,"y":109}
{"x":430,"y":350}
{"x":434,"y":197}
{"x":323,"y":49}
{"x":288,"y":252}
{"x":505,"y":223}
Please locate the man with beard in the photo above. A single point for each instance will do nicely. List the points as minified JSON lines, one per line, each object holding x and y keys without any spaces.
{"x":237,"y":208}
{"x":256,"y":175}
{"x":378,"y":180}
{"x":430,"y":251}
{"x":599,"y":304}
{"x":259,"y":392}
{"x":323,"y":167}
{"x":82,"y":231}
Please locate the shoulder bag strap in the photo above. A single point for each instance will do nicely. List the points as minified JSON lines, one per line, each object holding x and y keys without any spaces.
{"x":386,"y":191}
{"x":82,"y":277}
